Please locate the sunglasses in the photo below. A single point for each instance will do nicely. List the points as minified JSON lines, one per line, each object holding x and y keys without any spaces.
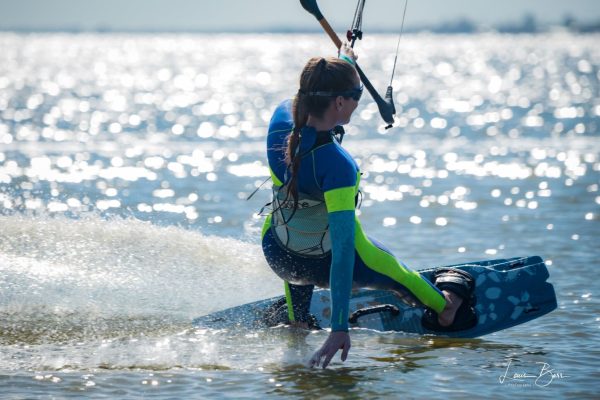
{"x":354,"y":93}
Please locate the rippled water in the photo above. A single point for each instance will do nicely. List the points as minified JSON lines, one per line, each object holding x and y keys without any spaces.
{"x":125,"y":162}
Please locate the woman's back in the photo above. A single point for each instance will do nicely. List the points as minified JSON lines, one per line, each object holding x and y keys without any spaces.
{"x":325,"y":165}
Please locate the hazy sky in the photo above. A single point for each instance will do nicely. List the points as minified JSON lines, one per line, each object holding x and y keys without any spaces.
{"x":264,"y":14}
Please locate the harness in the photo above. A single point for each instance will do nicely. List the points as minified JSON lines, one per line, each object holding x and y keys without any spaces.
{"x":303,"y":230}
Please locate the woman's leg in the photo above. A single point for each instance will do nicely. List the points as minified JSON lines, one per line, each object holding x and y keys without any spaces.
{"x":377,"y":268}
{"x":300,"y":275}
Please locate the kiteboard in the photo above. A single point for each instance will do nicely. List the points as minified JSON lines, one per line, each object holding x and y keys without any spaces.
{"x":508,"y":292}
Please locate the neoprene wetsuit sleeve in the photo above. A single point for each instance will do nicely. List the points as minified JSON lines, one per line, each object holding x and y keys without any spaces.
{"x":341,"y":229}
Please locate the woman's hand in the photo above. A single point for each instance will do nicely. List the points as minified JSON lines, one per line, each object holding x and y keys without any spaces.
{"x":335,"y":341}
{"x":347,"y":53}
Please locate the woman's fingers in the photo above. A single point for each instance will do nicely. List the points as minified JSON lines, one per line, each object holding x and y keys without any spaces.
{"x":315,"y":359}
{"x":345,"y":350}
{"x":328,"y":357}
{"x":335,"y":342}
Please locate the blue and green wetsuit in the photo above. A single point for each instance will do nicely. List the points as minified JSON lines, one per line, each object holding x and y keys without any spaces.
{"x":321,"y":241}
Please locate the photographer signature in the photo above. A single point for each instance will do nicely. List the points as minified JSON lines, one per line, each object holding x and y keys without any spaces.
{"x":544,"y":378}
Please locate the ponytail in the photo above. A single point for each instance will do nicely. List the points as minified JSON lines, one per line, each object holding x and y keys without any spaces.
{"x":319,"y":74}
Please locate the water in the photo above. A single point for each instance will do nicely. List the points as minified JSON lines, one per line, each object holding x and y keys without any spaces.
{"x":125,"y":162}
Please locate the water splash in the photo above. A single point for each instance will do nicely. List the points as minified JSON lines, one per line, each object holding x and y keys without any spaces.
{"x":63,"y":279}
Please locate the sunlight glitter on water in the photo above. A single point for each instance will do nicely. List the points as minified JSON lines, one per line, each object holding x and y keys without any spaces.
{"x":495,"y":153}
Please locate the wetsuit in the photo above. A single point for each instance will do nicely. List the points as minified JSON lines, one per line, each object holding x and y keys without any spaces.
{"x":321,"y":241}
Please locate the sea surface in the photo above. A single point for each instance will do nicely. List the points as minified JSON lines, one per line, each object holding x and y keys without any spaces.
{"x":125,"y":165}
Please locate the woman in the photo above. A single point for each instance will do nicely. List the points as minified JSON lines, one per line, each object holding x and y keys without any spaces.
{"x":313,"y":237}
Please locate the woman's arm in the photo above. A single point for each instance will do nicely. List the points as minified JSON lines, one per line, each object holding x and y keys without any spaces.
{"x":341,"y":229}
{"x":340,"y":207}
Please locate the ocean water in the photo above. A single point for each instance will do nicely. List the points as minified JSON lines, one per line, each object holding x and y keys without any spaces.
{"x":126,"y":161}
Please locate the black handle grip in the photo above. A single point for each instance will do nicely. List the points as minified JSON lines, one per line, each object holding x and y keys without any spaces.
{"x":373,"y":310}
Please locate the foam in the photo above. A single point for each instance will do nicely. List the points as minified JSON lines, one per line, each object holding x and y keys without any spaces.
{"x":97,"y":271}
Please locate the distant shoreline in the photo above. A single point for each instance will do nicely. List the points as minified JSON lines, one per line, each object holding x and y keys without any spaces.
{"x":552,"y":29}
{"x":527,"y":25}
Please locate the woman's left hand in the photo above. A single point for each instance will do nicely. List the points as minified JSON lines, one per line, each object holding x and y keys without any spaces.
{"x":335,"y":342}
{"x":347,"y":52}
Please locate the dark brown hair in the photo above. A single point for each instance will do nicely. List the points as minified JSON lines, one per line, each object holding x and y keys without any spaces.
{"x":320,"y":74}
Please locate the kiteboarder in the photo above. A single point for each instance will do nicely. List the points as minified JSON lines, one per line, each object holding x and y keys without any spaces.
{"x":313,"y":236}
